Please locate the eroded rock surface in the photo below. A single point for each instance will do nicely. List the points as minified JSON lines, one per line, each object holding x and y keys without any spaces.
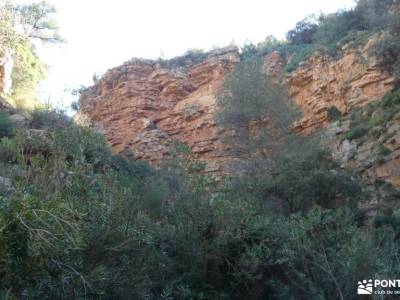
{"x":375,"y":157}
{"x":350,"y":82}
{"x":144,"y":107}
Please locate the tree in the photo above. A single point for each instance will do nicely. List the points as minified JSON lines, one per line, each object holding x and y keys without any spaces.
{"x":256,"y":108}
{"x":37,"y":22}
{"x":20,"y":26}
{"x":304,"y":31}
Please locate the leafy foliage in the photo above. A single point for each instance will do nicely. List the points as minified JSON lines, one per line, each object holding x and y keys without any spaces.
{"x":28,"y":71}
{"x":330,"y":32}
{"x":358,"y":131}
{"x":249,"y":99}
{"x":6,"y":125}
{"x":334,"y":114}
{"x":303,"y":32}
{"x":37,"y":23}
{"x":192,"y":56}
{"x":48,"y":117}
{"x":374,"y":118}
{"x":82,"y":222}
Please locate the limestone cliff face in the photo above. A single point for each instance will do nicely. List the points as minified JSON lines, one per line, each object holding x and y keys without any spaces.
{"x":350,"y":82}
{"x":144,"y":107}
{"x":365,"y":154}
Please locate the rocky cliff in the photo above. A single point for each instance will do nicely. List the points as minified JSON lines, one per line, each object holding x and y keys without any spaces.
{"x":144,"y":106}
{"x":349,"y":82}
{"x":375,"y":151}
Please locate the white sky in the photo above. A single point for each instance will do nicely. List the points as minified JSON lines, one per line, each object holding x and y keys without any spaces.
{"x":102,"y":34}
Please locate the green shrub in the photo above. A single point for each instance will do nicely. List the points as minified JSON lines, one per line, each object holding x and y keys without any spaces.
{"x":6,"y":126}
{"x":376,"y":132}
{"x":248,"y":99}
{"x":84,"y":223}
{"x":357,"y":132}
{"x":372,"y":119}
{"x":332,"y":28}
{"x":391,"y":99}
{"x":387,"y":52}
{"x":192,"y":56}
{"x":304,"y":31}
{"x":298,"y":54}
{"x":383,"y":151}
{"x":48,"y":117}
{"x":270,"y":44}
{"x":334,"y":114}
{"x":330,"y":32}
{"x":299,"y":181}
{"x":140,"y":169}
{"x":8,"y":150}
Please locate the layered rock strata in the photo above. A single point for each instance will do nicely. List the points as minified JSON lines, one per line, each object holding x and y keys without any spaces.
{"x":144,"y":107}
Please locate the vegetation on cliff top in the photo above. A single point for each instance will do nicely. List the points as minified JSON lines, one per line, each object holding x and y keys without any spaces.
{"x":329,"y":33}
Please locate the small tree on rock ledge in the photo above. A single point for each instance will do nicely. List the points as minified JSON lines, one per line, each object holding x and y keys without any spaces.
{"x":257,"y":109}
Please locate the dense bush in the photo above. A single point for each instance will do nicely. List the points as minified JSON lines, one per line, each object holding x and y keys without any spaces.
{"x":391,"y":99}
{"x":329,"y":33}
{"x":6,"y":125}
{"x":372,"y":120}
{"x":358,"y":131}
{"x":332,"y":28}
{"x":367,"y":15}
{"x":83,"y":223}
{"x":334,"y":114}
{"x":387,"y":51}
{"x":192,"y":56}
{"x":248,"y":99}
{"x":299,"y":181}
{"x":47,"y":117}
{"x":304,"y":31}
{"x":80,"y":222}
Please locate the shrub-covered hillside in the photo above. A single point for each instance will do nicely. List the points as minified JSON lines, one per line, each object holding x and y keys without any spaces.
{"x":79,"y":222}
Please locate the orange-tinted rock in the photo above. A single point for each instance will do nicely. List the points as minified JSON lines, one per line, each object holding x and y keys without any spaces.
{"x":273,"y":64}
{"x":365,"y":154}
{"x":143,"y":107}
{"x":349,"y":82}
